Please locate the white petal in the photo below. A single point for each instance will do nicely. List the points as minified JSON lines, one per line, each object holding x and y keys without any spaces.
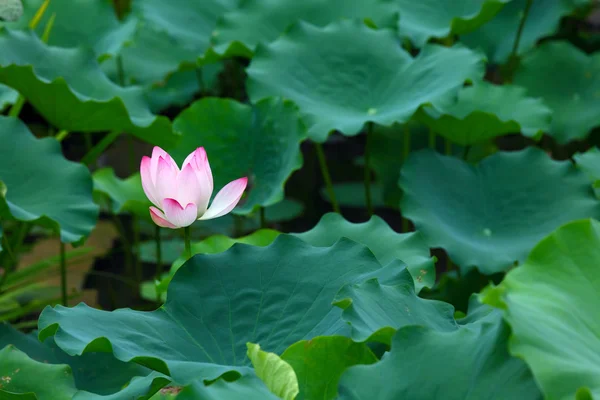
{"x":226,"y":199}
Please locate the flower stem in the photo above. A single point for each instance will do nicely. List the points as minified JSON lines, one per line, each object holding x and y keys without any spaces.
{"x":188,"y":245}
{"x":367,"y":177}
{"x":512,"y":64}
{"x":263,"y":220}
{"x":517,"y":41}
{"x":95,"y":151}
{"x":135,"y":249}
{"x":63,"y":275}
{"x":159,"y":267}
{"x":448,"y":147}
{"x":431,"y":139}
{"x":60,"y":136}
{"x":466,"y":152}
{"x":327,"y":177}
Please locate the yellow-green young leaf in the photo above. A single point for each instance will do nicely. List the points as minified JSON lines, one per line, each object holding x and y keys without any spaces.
{"x":278,"y":375}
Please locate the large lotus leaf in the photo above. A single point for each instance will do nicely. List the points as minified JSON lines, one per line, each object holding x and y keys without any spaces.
{"x":320,"y":362}
{"x":26,"y":379}
{"x":341,"y":86}
{"x":425,"y":19}
{"x":179,"y":88}
{"x":239,"y":31}
{"x":68,"y":88}
{"x":8,"y":97}
{"x":497,"y":36}
{"x":98,"y":373}
{"x":248,"y":387}
{"x":569,"y":82}
{"x":261,"y":142}
{"x":89,"y":23}
{"x":169,"y":34}
{"x":468,"y":363}
{"x":550,"y":303}
{"x":274,"y":295}
{"x":277,"y":374}
{"x":397,"y":306}
{"x":41,"y":185}
{"x":383,"y":241}
{"x":140,"y":388}
{"x":485,"y":111}
{"x":492,"y":214}
{"x":125,"y":195}
{"x":589,"y":162}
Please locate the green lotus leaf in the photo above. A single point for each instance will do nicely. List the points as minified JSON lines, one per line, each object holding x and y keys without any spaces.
{"x":172,"y":253}
{"x":497,"y":36}
{"x":67,"y":87}
{"x":274,"y":295}
{"x":169,"y":35}
{"x":98,"y":373}
{"x":568,"y":80}
{"x":239,"y":31}
{"x":485,"y":111}
{"x":125,"y":195}
{"x":589,"y":162}
{"x":320,"y":362}
{"x":26,"y":379}
{"x":492,"y":214}
{"x":89,"y":23}
{"x":248,"y":387}
{"x":277,"y":374}
{"x":425,"y":19}
{"x":261,"y":142}
{"x":397,"y":306}
{"x":386,"y":244}
{"x":8,"y":97}
{"x":550,"y":303}
{"x":220,"y":243}
{"x":179,"y":89}
{"x":341,"y":87}
{"x":56,"y":192}
{"x":470,"y":362}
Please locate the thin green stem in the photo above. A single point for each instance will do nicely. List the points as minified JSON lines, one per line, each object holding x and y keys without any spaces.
{"x":102,"y":145}
{"x":15,"y":109}
{"x":367,"y":167}
{"x":448,"y":144}
{"x":466,"y":152}
{"x":200,"y":79}
{"x":188,"y":244}
{"x":126,"y":245}
{"x":135,"y":249}
{"x":326,"y":177}
{"x":432,"y":139}
{"x":157,"y":239}
{"x":515,"y":48}
{"x":263,"y":219}
{"x":62,"y":135}
{"x":63,"y":275}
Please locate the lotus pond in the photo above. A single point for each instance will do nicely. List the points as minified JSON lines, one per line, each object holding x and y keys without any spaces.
{"x":283,"y":199}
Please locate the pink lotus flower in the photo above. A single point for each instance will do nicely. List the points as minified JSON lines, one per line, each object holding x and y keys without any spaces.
{"x":181,"y":196}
